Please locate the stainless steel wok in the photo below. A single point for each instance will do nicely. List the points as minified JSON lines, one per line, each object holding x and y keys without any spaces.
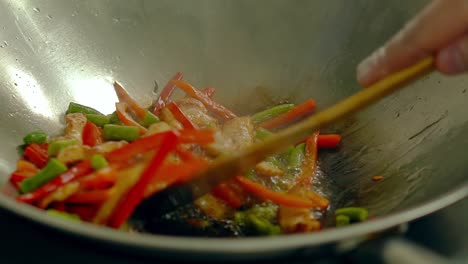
{"x":255,"y":53}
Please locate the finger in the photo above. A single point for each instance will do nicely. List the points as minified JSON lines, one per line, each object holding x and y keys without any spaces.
{"x":440,"y":23}
{"x":454,"y":58}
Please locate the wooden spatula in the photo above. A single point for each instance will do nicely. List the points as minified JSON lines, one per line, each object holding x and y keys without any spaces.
{"x":227,"y":167}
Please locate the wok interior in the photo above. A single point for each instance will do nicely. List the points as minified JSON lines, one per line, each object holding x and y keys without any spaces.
{"x":255,"y":53}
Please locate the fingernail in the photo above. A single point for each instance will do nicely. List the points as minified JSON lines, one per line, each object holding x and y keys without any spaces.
{"x":365,"y":70}
{"x":450,"y":61}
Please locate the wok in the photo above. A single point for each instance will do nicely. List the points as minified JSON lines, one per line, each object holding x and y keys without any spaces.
{"x":255,"y":53}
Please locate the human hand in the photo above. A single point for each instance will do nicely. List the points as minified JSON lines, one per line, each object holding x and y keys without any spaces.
{"x":440,"y":30}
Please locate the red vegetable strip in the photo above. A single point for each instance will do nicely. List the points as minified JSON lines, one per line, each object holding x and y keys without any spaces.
{"x":180,"y":116}
{"x":290,"y":116}
{"x":126,"y":119}
{"x":85,"y":212}
{"x":166,"y":92}
{"x":320,"y":201}
{"x":276,"y":197}
{"x":37,"y":154}
{"x":213,"y":106}
{"x":90,"y":197}
{"x":328,"y":141}
{"x":81,"y":169}
{"x":229,"y":195}
{"x":309,"y":166}
{"x":124,"y":97}
{"x":154,"y":141}
{"x":26,"y":166}
{"x":135,"y":195}
{"x":16,"y":179}
{"x":209,"y":91}
{"x":100,"y":179}
{"x":92,"y":135}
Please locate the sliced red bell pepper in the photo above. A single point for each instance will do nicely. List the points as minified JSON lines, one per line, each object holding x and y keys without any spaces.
{"x":154,"y":141}
{"x":209,"y":91}
{"x":290,"y":116}
{"x":124,"y":97}
{"x":180,"y":116}
{"x":213,"y":106}
{"x":126,"y":119}
{"x":135,"y":194}
{"x":166,"y":92}
{"x":85,"y":212}
{"x":328,"y":141}
{"x":276,"y":197}
{"x":100,"y":179}
{"x":92,"y":135}
{"x":81,"y":169}
{"x":16,"y":179}
{"x":229,"y":195}
{"x":89,"y":197}
{"x":309,"y":165}
{"x":37,"y":154}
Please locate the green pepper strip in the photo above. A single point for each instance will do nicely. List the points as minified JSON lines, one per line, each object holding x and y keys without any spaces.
{"x":50,"y":171}
{"x":56,"y":146}
{"x":98,"y":120}
{"x":355,"y":214}
{"x":98,"y":162}
{"x":116,"y":132}
{"x":296,"y":156}
{"x":149,"y":119}
{"x":114,"y":119}
{"x":77,"y":108}
{"x":64,"y":215}
{"x":270,"y":113}
{"x":262,"y":134}
{"x":38,"y":137}
{"x":342,"y":220}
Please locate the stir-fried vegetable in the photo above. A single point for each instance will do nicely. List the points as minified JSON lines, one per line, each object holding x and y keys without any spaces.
{"x":104,"y":165}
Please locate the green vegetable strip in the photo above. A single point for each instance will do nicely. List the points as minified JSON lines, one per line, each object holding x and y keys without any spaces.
{"x":98,"y":162}
{"x":116,"y":132}
{"x":35,"y":137}
{"x":262,"y":134}
{"x":114,"y":119}
{"x":355,"y":214}
{"x":342,"y":220}
{"x":64,"y":215}
{"x":270,"y":113}
{"x":262,"y":226}
{"x":49,"y":172}
{"x":56,"y":146}
{"x":77,"y":108}
{"x":296,"y":156}
{"x":149,"y":119}
{"x":98,"y":120}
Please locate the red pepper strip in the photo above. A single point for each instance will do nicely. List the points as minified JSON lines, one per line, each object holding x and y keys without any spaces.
{"x":103,"y":178}
{"x":166,"y":92}
{"x":309,"y":166}
{"x":89,"y":197}
{"x":209,"y":91}
{"x":276,"y":197}
{"x":37,"y":154}
{"x":213,"y":106}
{"x":135,"y":194}
{"x":180,"y":116}
{"x":59,"y":207}
{"x":173,"y":173}
{"x":328,"y":141}
{"x":81,"y":169}
{"x":26,"y":166}
{"x":124,"y":97}
{"x":92,"y":135}
{"x":230,"y":196}
{"x":16,"y":179}
{"x":126,"y":119}
{"x":154,"y":141}
{"x":290,"y":116}
{"x":85,"y":212}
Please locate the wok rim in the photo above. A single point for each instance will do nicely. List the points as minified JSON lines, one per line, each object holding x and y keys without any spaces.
{"x":168,"y":245}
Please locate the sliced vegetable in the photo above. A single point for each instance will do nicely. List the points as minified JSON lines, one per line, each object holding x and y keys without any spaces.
{"x":114,"y":118}
{"x":56,"y":146}
{"x":262,"y":134}
{"x":216,"y":108}
{"x":98,"y":162}
{"x":296,"y":156}
{"x":180,"y":116}
{"x":116,"y":132}
{"x":78,"y":108}
{"x":290,"y":116}
{"x":37,"y":154}
{"x":100,"y":179}
{"x":63,"y":215}
{"x":81,"y":169}
{"x":166,"y":92}
{"x":262,"y":227}
{"x":229,"y":195}
{"x":38,"y":137}
{"x":270,"y":113}
{"x":328,"y":141}
{"x":98,"y":120}
{"x":135,"y":194}
{"x":276,"y":197}
{"x":89,"y":197}
{"x":92,"y":135}
{"x":149,"y":119}
{"x":126,"y":119}
{"x":342,"y":220}
{"x":50,"y":171}
{"x":127,"y":99}
{"x":355,"y":214}
{"x":309,"y":166}
{"x":209,"y":91}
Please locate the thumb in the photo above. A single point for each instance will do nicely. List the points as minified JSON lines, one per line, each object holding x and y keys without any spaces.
{"x":454,"y":58}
